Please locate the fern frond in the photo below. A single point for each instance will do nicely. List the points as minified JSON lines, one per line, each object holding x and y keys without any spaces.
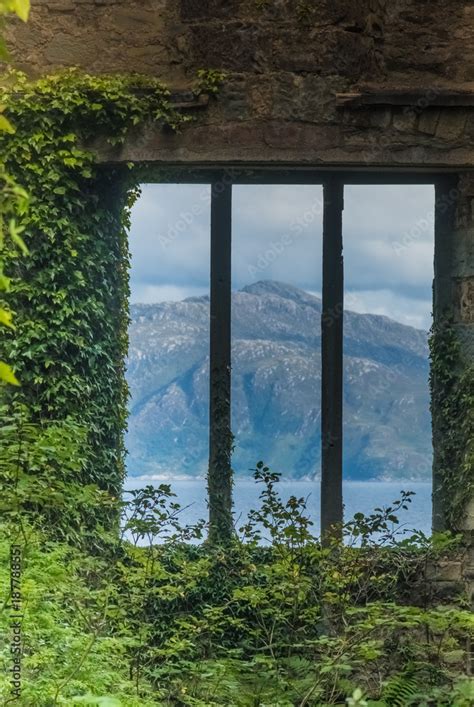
{"x":401,"y":689}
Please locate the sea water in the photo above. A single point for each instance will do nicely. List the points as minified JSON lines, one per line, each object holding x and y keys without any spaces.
{"x":359,"y":497}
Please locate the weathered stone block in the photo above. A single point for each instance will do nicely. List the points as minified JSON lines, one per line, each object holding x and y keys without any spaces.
{"x":260,"y":96}
{"x":132,"y":18}
{"x":331,"y":51}
{"x":233,"y":99}
{"x":237,"y":46}
{"x":428,"y":121}
{"x":451,"y":124}
{"x":445,"y":571}
{"x":286,"y":135}
{"x":381,"y":118}
{"x":464,"y":296}
{"x":61,"y":5}
{"x":290,"y":52}
{"x":359,"y":119}
{"x":68,"y":50}
{"x":303,"y":98}
{"x":465,"y":220}
{"x":405,"y":120}
{"x":192,"y":10}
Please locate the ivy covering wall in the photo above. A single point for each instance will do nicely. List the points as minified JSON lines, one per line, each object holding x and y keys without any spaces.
{"x":452,"y":409}
{"x":70,"y":293}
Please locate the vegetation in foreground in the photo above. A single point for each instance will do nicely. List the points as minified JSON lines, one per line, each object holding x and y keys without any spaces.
{"x":148,"y":617}
{"x":152,"y":616}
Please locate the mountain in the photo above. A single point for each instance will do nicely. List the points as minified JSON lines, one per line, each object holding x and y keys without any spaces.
{"x":276,"y":388}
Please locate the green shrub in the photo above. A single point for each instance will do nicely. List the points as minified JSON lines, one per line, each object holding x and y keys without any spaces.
{"x":275,"y":619}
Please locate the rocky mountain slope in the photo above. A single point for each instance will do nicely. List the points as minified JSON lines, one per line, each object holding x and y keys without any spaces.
{"x":276,"y":388}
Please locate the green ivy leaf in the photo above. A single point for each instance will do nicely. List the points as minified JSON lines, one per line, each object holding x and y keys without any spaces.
{"x":5,"y":125}
{"x":21,"y":8}
{"x":6,"y":318}
{"x":91,"y":700}
{"x":7,"y":375}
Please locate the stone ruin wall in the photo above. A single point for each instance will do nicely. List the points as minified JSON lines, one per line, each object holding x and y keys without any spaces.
{"x":285,"y":61}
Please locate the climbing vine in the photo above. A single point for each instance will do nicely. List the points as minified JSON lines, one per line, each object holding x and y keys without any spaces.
{"x":70,"y":293}
{"x":452,"y":387}
{"x":210,"y":81}
{"x":13,"y":198}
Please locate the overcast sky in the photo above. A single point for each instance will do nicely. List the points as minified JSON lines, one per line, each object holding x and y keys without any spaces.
{"x":388,"y":244}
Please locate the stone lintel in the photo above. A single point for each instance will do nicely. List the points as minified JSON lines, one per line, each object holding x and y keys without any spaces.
{"x":423,"y":98}
{"x":275,"y":142}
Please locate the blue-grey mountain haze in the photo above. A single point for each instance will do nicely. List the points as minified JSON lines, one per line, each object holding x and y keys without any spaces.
{"x":277,"y":244}
{"x":388,"y":244}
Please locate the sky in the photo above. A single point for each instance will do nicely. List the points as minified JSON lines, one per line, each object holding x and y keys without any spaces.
{"x":277,"y":235}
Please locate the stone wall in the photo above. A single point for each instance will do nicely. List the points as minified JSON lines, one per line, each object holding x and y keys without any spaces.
{"x":293,"y":69}
{"x":286,"y":60}
{"x":355,"y":39}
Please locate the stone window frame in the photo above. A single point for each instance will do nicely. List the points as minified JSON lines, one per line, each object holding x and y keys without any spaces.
{"x":221,"y":180}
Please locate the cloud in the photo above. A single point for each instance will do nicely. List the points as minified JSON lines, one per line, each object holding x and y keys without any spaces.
{"x":277,"y":234}
{"x":389,"y":239}
{"x":169,"y":237}
{"x":416,"y":313}
{"x":149,"y":294}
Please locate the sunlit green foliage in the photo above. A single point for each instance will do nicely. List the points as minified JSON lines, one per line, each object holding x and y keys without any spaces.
{"x":43,"y":478}
{"x":172,"y":622}
{"x":70,"y":294}
{"x":109,"y":621}
{"x":17,"y":7}
{"x":13,"y":198}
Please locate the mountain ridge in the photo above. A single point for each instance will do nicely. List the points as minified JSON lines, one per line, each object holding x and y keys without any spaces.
{"x":276,"y":381}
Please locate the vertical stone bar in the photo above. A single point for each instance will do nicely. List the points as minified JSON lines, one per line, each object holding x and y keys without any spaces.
{"x":220,"y":436}
{"x":445,"y":210}
{"x":452,"y":354}
{"x":332,"y":361}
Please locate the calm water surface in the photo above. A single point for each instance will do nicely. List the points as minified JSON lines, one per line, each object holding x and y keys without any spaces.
{"x":359,"y":496}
